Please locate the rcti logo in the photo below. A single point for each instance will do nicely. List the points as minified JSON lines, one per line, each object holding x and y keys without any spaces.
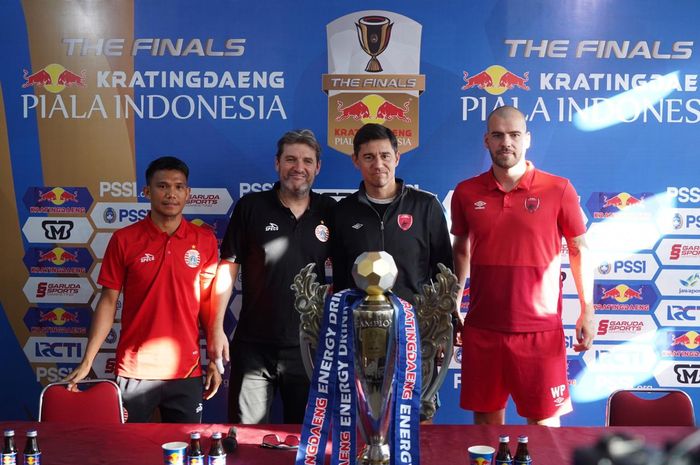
{"x":624,"y":297}
{"x":495,"y":80}
{"x":374,"y":108}
{"x":54,"y":78}
{"x":71,"y":260}
{"x":57,"y":199}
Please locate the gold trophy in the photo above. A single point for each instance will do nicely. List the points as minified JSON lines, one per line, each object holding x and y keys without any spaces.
{"x":374,"y":33}
{"x":375,"y":344}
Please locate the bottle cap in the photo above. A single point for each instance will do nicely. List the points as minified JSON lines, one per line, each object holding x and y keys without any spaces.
{"x":503,"y":438}
{"x":31,"y":433}
{"x":9,"y":432}
{"x":195,"y":435}
{"x":216,"y":435}
{"x":522,"y":438}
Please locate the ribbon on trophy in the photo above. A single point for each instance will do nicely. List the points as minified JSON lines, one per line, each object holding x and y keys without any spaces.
{"x":329,"y":367}
{"x":333,"y":386}
{"x":406,"y":389}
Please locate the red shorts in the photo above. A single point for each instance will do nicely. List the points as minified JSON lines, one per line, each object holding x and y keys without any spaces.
{"x":531,"y":367}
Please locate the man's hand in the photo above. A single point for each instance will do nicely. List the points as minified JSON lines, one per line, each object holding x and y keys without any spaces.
{"x":217,"y":349}
{"x":212,"y":381}
{"x":458,"y":325}
{"x":75,"y":376}
{"x":585,"y":330}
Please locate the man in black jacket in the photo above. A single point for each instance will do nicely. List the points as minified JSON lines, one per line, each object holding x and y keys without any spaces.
{"x":385,"y":214}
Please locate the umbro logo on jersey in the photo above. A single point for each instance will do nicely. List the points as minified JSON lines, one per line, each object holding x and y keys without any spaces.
{"x":147,"y":257}
{"x":479,"y":205}
{"x":272,"y":227}
{"x":357,"y":225}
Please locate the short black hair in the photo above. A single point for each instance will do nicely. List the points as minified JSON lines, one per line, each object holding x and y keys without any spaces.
{"x":299,"y":136}
{"x":166,"y":163}
{"x":373,"y":131}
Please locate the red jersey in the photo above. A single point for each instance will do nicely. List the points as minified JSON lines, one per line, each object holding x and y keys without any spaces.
{"x":515,"y":248}
{"x":161,"y":278}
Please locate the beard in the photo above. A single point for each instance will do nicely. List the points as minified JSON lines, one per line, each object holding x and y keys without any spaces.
{"x":506,"y":160}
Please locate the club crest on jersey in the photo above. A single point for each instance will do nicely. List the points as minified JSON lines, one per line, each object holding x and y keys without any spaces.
{"x":405,"y":221}
{"x":322,"y":233}
{"x":532,"y":204}
{"x":192,"y":258}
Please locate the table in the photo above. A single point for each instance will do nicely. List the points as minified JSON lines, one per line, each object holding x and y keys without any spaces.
{"x":139,"y":444}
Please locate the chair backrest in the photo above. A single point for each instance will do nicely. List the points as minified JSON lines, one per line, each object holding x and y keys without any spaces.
{"x":649,"y":407}
{"x":98,"y":401}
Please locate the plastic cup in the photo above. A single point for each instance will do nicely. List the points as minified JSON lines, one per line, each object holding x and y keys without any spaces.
{"x":481,"y":455}
{"x":174,"y":453}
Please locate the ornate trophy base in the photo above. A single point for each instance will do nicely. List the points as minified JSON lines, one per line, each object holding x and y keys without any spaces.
{"x":373,"y":66}
{"x":374,"y":454}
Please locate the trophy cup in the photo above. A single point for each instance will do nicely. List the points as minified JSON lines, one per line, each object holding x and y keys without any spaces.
{"x":375,"y":347}
{"x":374,"y":33}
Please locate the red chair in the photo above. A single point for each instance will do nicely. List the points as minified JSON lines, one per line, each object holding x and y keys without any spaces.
{"x":98,"y":401}
{"x":649,"y":407}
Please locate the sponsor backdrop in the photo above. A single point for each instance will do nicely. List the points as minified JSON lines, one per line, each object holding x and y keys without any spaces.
{"x":92,"y":92}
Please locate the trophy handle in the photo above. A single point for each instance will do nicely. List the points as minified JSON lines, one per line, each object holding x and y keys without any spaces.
{"x":434,"y":307}
{"x":309,"y":298}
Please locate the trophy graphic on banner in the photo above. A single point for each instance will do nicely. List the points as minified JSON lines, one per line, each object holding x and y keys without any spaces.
{"x":381,"y":353}
{"x":374,"y":33}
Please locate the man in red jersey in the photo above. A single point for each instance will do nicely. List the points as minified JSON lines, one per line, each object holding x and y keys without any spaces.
{"x":508,"y":223}
{"x":164,"y":266}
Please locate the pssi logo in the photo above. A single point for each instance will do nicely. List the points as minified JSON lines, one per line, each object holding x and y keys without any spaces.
{"x":247,"y":187}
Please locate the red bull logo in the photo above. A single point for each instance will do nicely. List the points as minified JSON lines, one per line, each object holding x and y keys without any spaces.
{"x":54,"y":78}
{"x":57,"y":196}
{"x":621,"y":293}
{"x":58,"y":256}
{"x":495,"y":80}
{"x":374,"y":108}
{"x":58,"y":317}
{"x":357,"y":111}
{"x":689,"y":340}
{"x":620,"y":201}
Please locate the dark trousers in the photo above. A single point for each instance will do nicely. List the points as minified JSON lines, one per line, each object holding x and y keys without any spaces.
{"x":179,"y":400}
{"x":258,"y":371}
